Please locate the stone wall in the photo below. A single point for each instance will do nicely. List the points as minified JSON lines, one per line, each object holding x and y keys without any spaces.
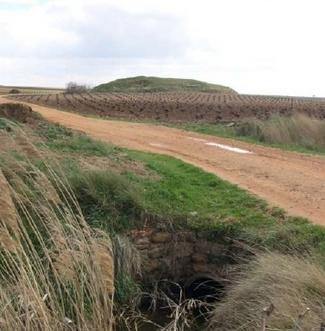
{"x":179,"y":255}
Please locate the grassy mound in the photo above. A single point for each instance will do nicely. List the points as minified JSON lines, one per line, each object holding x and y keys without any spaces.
{"x":18,"y":112}
{"x":157,"y":84}
{"x":295,"y":286}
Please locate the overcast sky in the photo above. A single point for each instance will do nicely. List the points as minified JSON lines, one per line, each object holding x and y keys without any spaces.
{"x":253,"y":46}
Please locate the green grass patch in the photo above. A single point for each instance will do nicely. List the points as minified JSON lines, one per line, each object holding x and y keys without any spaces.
{"x":109,"y":201}
{"x":3,"y":124}
{"x":184,"y":196}
{"x":183,"y":189}
{"x":82,"y":145}
{"x":61,"y":139}
{"x":125,"y":288}
{"x":193,"y":198}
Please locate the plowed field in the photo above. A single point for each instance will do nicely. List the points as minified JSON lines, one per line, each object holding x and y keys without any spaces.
{"x":178,"y":107}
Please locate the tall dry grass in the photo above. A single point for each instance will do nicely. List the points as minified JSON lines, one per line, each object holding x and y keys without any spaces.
{"x":294,"y":285}
{"x":56,"y":273}
{"x":298,"y":130}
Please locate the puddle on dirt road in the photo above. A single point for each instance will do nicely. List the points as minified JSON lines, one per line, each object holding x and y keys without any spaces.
{"x":196,"y":139}
{"x":229,"y":148}
{"x":157,"y":145}
{"x":222,"y":146}
{"x":208,"y":143}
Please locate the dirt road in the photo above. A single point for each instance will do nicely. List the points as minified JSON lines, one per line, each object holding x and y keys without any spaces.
{"x":293,"y":181}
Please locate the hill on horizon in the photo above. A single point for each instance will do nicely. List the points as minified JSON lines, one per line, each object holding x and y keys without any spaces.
{"x":159,"y":84}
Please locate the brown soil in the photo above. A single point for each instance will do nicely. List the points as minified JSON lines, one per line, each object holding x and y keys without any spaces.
{"x":289,"y":180}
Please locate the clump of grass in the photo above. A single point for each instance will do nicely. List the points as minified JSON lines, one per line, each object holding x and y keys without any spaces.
{"x":53,"y":131}
{"x":18,"y":112}
{"x":109,"y":200}
{"x":297,"y":130}
{"x":128,"y":266}
{"x":56,"y":273}
{"x":292,"y":284}
{"x":3,"y":124}
{"x":81,"y":144}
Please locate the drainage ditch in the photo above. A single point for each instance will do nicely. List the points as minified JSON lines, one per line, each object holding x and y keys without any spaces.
{"x":189,"y":271}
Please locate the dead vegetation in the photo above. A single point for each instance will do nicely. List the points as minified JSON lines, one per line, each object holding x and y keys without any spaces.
{"x":294,"y":286}
{"x":56,"y":272}
{"x":298,"y":129}
{"x":73,"y":87}
{"x":18,"y":112}
{"x":14,"y":91}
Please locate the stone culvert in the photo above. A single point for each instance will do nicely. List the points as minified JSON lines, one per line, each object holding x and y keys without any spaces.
{"x":184,"y":257}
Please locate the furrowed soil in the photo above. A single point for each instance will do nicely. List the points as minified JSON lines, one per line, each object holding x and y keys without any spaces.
{"x":178,"y":106}
{"x":292,"y":181}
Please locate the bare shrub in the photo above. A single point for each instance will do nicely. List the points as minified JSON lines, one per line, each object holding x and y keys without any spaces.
{"x":73,"y":87}
{"x":14,"y":91}
{"x":293,"y":285}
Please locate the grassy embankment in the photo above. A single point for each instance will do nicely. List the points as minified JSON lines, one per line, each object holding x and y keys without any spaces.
{"x":179,"y":193}
{"x":118,"y":189}
{"x":186,"y":196}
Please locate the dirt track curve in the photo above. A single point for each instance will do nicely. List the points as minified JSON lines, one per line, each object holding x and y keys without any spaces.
{"x":293,"y":181}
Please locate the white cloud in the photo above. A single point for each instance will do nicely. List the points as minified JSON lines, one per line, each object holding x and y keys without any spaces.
{"x":255,"y":46}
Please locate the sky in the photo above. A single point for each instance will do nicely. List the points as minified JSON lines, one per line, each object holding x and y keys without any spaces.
{"x":254,"y":46}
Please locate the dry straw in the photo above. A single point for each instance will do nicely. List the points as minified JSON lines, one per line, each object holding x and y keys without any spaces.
{"x":298,"y":129}
{"x":56,"y":273}
{"x":292,"y":285}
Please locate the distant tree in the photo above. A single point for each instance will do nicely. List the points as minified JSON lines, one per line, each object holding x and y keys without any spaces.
{"x":73,"y":87}
{"x":14,"y":91}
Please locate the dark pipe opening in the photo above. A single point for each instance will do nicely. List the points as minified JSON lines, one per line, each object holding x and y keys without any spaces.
{"x":205,"y":289}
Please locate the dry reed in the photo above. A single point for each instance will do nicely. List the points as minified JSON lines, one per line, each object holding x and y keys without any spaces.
{"x":56,"y":273}
{"x":298,"y":130}
{"x":291,"y":284}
